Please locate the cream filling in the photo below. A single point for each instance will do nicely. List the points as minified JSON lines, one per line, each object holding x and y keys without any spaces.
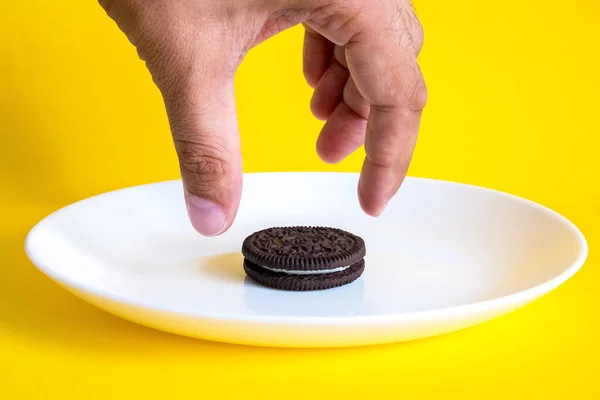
{"x":322,"y":271}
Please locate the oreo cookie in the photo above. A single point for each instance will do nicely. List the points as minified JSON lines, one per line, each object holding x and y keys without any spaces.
{"x":303,"y":258}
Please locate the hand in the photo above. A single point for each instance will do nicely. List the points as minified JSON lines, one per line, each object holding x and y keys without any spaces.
{"x":359,"y":56}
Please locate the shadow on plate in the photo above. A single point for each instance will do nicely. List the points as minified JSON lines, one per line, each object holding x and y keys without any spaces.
{"x":226,"y":267}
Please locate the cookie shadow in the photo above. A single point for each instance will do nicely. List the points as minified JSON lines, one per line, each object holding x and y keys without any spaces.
{"x":225,"y":267}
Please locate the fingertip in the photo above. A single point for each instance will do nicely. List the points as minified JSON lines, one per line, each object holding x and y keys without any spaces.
{"x":342,"y":135}
{"x":207,"y":217}
{"x":326,"y":149}
{"x":326,"y":157}
{"x":311,"y":76}
{"x":317,"y":109}
{"x":369,"y":207}
{"x":373,"y":191}
{"x":212,"y":212}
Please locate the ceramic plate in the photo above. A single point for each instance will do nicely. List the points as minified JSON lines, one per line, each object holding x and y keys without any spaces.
{"x":443,"y":257}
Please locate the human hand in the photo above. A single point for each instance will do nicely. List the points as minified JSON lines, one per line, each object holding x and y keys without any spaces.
{"x":359,"y":56}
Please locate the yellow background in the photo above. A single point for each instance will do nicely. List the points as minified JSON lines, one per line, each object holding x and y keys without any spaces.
{"x":514,"y":89}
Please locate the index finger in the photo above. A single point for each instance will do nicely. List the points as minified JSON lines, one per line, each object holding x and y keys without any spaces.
{"x":389,"y":144}
{"x":383,"y":63}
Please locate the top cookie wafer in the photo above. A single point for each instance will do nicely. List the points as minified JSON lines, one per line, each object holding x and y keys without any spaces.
{"x":303,"y":248}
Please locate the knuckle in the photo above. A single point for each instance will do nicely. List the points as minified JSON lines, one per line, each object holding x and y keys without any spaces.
{"x":391,"y":157}
{"x":384,"y":152}
{"x":384,"y":159}
{"x":355,"y":100}
{"x":341,"y":20}
{"x":203,"y":166}
{"x":411,"y":89}
{"x":418,"y":97}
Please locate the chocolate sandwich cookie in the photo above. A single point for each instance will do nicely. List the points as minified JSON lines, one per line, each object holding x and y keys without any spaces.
{"x":303,"y":258}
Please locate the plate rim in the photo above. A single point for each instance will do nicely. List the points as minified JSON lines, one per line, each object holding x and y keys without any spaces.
{"x":500,"y":302}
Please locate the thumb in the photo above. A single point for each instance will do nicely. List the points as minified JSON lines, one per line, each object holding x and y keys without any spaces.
{"x":192,"y":61}
{"x":200,"y":105}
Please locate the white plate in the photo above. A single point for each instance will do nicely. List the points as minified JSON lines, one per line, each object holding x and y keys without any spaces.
{"x":443,"y":257}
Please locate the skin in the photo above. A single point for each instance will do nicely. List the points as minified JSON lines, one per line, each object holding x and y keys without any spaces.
{"x":360,"y":57}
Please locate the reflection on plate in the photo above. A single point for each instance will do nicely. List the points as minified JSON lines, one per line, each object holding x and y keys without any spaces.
{"x":345,"y":300}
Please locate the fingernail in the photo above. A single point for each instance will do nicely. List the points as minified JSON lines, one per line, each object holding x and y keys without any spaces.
{"x":207,"y":218}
